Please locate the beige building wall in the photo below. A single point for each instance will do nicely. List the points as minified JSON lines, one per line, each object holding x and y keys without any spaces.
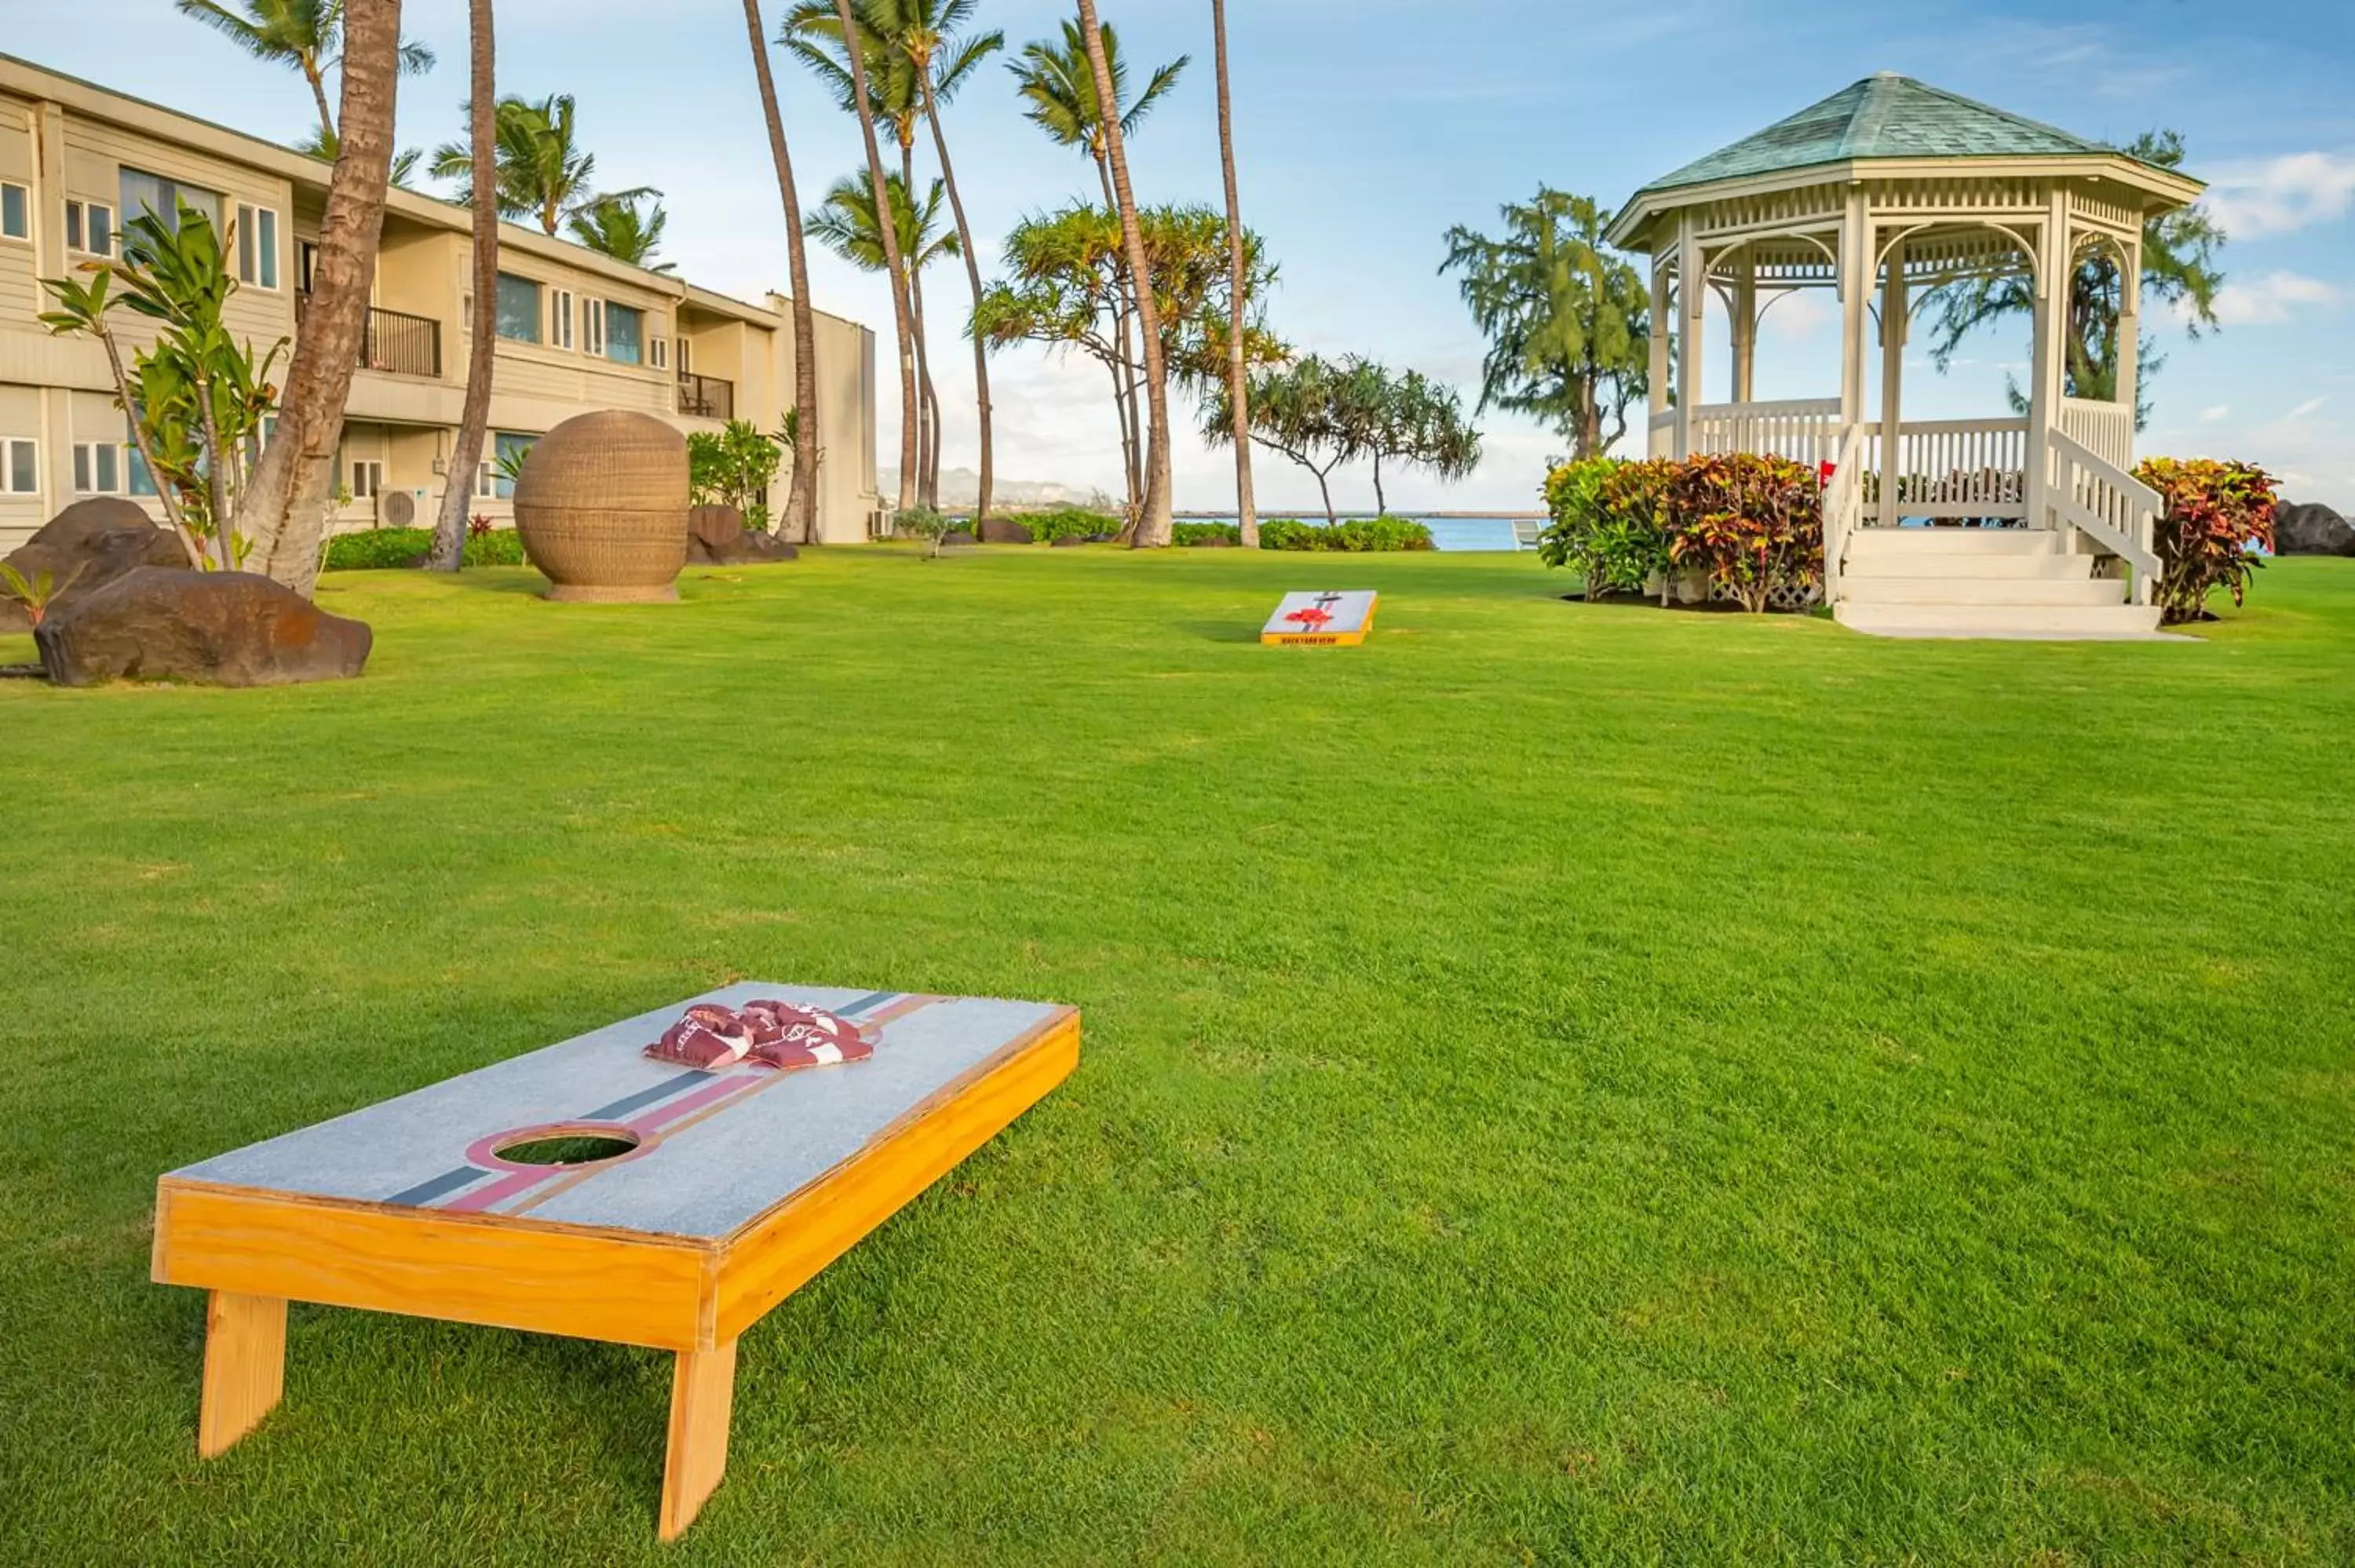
{"x":61,"y":139}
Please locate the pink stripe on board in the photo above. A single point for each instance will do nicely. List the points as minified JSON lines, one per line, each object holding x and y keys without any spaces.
{"x":505,"y":1187}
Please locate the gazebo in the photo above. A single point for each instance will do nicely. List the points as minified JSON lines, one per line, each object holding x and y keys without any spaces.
{"x":1879,"y":193}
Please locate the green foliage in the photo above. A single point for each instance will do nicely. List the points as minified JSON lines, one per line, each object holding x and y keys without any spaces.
{"x":732,"y":466}
{"x":34,"y":593}
{"x":1321,"y":413}
{"x":1568,"y":321}
{"x":1058,"y":87}
{"x":382,"y":549}
{"x":1356,"y":536}
{"x":1755,"y":523}
{"x":622,"y":226}
{"x":2219,"y":515}
{"x":542,"y":173}
{"x":1609,"y":522}
{"x":1182,"y":532}
{"x":845,"y":223}
{"x":1061,"y":521}
{"x":924,"y":523}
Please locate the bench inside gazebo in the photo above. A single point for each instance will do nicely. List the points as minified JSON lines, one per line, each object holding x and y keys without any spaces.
{"x":1881,"y":193}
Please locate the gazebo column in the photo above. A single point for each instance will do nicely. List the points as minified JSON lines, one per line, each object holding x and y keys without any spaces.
{"x":2044,"y":363}
{"x":2130,"y":339}
{"x":1855,"y":282}
{"x":1893,"y":325}
{"x":1745,"y":326}
{"x":1657,"y":401}
{"x":1692,"y":301}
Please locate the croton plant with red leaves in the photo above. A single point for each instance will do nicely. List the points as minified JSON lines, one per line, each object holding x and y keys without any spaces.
{"x":2218,"y":516}
{"x":1754,"y":522}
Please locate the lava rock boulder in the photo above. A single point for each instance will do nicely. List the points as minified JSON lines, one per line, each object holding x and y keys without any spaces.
{"x":716,"y":537}
{"x":2311,"y":528}
{"x":214,"y":629}
{"x":85,"y":548}
{"x":1004,"y":531}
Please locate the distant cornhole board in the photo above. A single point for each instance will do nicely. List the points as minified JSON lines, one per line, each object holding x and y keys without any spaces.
{"x":1322,"y":620}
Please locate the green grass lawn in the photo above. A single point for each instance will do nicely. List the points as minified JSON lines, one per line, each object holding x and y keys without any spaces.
{"x":1561,"y":1084}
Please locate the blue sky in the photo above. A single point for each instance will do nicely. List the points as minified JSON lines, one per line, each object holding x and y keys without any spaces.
{"x":1367,"y":128}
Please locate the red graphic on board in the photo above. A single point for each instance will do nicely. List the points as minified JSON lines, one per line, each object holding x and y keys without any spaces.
{"x":1316,"y":617}
{"x":782,"y":1034}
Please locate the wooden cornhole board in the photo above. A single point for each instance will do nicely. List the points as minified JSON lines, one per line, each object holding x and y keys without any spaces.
{"x":1327,"y":620}
{"x":743,"y":1185}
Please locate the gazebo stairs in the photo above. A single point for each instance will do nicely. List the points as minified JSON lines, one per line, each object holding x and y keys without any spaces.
{"x":1981,"y":582}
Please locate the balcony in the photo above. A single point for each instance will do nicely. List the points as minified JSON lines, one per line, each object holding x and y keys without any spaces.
{"x":393,"y":341}
{"x":706,"y":397}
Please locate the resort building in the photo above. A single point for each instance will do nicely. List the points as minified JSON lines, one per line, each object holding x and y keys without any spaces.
{"x":577,"y":331}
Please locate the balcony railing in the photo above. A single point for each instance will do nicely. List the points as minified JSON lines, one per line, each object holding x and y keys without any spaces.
{"x":391,"y":340}
{"x":706,"y":397}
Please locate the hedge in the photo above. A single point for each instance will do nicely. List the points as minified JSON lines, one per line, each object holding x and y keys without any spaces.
{"x":378,"y":549}
{"x":1358,"y":535}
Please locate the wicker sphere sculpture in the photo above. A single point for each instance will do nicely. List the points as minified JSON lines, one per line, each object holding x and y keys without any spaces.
{"x":602,"y":506}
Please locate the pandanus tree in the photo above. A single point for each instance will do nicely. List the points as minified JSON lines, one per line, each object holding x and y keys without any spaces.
{"x":540,"y":171}
{"x":307,"y":35}
{"x":474,"y":413}
{"x":1568,"y":321}
{"x":1056,"y":79}
{"x":846,"y":224}
{"x":800,"y":502}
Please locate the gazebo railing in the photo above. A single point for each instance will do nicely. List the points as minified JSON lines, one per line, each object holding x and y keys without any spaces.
{"x":2109,"y":506}
{"x":2105,"y":429}
{"x":1954,"y":467}
{"x":1805,"y":430}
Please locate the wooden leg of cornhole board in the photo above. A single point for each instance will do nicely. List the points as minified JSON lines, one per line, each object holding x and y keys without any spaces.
{"x":245,"y":1366}
{"x":702,"y":1390}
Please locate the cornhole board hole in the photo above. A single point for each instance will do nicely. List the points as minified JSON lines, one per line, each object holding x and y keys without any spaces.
{"x":694,"y":1202}
{"x":1327,"y":620}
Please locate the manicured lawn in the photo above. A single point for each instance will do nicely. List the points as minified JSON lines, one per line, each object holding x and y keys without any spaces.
{"x":1561,"y":1084}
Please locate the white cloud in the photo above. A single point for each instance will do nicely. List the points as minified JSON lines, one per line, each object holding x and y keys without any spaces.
{"x":2271,"y":299}
{"x":2211,"y":415}
{"x":2281,"y":194}
{"x":2305,"y":411}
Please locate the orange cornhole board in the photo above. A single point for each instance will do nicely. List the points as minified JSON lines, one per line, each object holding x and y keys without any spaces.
{"x":1329,"y":619}
{"x":717,"y":1192}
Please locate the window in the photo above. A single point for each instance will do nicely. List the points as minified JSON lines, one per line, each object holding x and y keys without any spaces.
{"x":367,"y":478}
{"x":145,"y":192}
{"x":98,"y":467}
{"x":23,"y":470}
{"x":257,"y":246}
{"x":511,"y":449}
{"x":15,"y":211}
{"x":657,"y":351}
{"x":591,"y":330}
{"x":90,"y":227}
{"x":486,"y":480}
{"x":518,"y":309}
{"x":685,"y":358}
{"x":624,"y":332}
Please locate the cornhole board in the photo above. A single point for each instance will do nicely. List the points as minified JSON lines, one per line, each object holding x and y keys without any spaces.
{"x":742,"y":1184}
{"x":1327,"y":620}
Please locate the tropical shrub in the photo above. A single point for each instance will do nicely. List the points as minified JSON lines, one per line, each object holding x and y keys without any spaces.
{"x":1356,"y":536}
{"x":1195,"y":533}
{"x":2216,"y":512}
{"x":1060,"y":522}
{"x":924,"y":523}
{"x":380,"y":549}
{"x":1608,"y":522}
{"x":732,"y":466}
{"x":1755,"y":524}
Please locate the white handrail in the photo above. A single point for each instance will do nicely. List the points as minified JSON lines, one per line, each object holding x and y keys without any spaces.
{"x":2108,"y":505}
{"x":1841,"y":497}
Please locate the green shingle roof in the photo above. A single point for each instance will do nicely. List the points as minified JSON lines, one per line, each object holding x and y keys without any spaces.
{"x":1883,"y":116}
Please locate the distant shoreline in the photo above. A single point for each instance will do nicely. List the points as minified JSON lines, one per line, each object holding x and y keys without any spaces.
{"x":1312,"y":516}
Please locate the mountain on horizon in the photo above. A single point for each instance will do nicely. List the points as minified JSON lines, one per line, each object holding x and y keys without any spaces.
{"x":962,"y":487}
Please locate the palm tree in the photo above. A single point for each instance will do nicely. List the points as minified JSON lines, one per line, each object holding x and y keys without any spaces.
{"x":621,"y":228}
{"x":1153,"y":524}
{"x":1057,"y":81}
{"x":846,"y":224}
{"x":894,"y":264}
{"x":802,"y":421}
{"x":284,"y":509}
{"x":542,"y":173}
{"x":1238,"y":378}
{"x":305,"y":34}
{"x":323,"y":144}
{"x":474,"y":416}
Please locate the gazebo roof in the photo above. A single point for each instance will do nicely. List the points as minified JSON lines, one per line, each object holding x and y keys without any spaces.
{"x":1883,"y":116}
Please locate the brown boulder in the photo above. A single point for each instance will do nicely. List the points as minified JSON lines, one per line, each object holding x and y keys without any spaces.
{"x":959,"y":536}
{"x":2310,"y":528}
{"x":746,"y":549}
{"x":86,"y":546}
{"x":712,"y":525}
{"x":1004,"y":531}
{"x":218,"y":628}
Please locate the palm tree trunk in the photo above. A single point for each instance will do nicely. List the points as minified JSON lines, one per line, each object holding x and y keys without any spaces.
{"x":928,"y":485}
{"x":801,"y":501}
{"x":973,"y":276}
{"x":482,"y":343}
{"x":286,"y":507}
{"x":311,"y":74}
{"x":1238,"y":381}
{"x":1153,"y":528}
{"x":894,"y":265}
{"x":1124,"y":379}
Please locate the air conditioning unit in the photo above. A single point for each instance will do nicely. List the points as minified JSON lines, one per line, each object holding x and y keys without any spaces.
{"x":398,"y":508}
